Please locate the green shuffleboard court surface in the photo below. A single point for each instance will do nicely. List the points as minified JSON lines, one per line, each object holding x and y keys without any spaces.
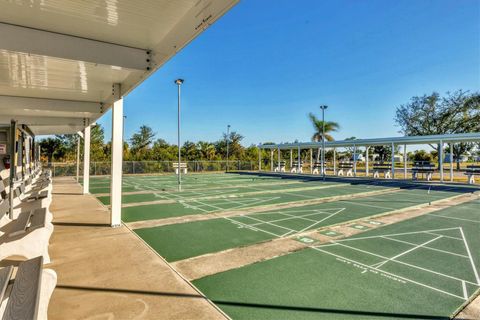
{"x":184,"y":240}
{"x":423,"y":268}
{"x":185,"y":206}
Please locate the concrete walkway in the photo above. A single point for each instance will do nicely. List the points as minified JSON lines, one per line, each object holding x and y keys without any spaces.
{"x":106,"y":273}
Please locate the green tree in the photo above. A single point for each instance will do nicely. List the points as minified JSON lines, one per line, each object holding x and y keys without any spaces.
{"x":52,"y":148}
{"x":141,"y":141}
{"x":457,"y":112}
{"x":330,"y":127}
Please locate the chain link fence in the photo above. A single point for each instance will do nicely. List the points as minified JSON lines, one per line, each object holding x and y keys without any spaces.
{"x":150,"y":167}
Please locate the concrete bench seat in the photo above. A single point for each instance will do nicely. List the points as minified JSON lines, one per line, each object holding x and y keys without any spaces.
{"x":27,"y":294}
{"x":471,"y":172}
{"x":295,"y":168}
{"x":182,"y":167}
{"x":280,"y":167}
{"x":31,"y":243}
{"x":27,"y":235}
{"x":424,"y":168}
{"x":345,"y":168}
{"x":384,"y":168}
{"x":317,"y":168}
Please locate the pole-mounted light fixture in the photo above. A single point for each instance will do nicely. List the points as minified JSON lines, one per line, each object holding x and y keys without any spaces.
{"x":179,"y":83}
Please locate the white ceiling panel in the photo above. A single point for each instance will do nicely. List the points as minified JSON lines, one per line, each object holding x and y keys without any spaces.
{"x":74,"y":50}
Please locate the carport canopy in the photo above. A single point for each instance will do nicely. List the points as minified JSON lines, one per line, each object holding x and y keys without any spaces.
{"x":63,"y":64}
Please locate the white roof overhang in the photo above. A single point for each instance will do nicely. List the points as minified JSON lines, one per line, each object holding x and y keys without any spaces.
{"x":407,"y":140}
{"x":60,"y":59}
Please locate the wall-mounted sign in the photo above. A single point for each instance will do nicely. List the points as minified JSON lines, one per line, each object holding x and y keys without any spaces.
{"x":3,"y":148}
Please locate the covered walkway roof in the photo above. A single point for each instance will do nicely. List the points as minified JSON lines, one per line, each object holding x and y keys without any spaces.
{"x":63,"y":63}
{"x":407,"y":140}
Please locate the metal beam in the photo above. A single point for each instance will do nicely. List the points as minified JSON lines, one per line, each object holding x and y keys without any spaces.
{"x":44,"y":120}
{"x":408,"y":140}
{"x":25,"y":106}
{"x":45,"y":43}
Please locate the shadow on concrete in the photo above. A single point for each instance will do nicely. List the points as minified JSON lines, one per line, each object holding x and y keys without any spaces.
{"x":259,"y":305}
{"x":81,"y":224}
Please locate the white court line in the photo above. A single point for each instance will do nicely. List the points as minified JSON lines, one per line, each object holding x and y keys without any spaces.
{"x":400,"y":234}
{"x":405,"y":252}
{"x":368,"y":205}
{"x":454,"y":218}
{"x":465,"y":293}
{"x":450,"y":237}
{"x":392,"y":274}
{"x":247,"y":226}
{"x":291,"y":217}
{"x":266,"y":222}
{"x":327,"y":217}
{"x":471,"y":258}
{"x":426,"y":247}
{"x":408,"y":264}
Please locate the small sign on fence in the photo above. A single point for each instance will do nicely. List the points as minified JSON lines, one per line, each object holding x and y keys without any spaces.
{"x":3,"y":148}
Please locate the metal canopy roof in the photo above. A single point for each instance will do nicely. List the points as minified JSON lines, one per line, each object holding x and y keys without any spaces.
{"x":431,"y":139}
{"x":60,"y":58}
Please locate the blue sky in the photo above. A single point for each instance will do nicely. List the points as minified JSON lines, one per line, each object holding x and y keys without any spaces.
{"x":266,"y":64}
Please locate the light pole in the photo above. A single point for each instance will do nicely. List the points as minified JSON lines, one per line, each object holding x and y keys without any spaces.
{"x":228,"y":140}
{"x":179,"y":83}
{"x":323,"y":139}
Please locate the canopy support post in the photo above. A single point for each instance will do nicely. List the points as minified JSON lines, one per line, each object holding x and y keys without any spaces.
{"x":451,"y":161}
{"x":354,"y":160}
{"x":271,"y":160}
{"x":117,"y":159}
{"x":366,"y":161}
{"x":405,"y":161}
{"x":86,"y":160}
{"x":78,"y":158}
{"x":299,"y":165}
{"x":393,"y":160}
{"x":440,"y":159}
{"x":311,"y":161}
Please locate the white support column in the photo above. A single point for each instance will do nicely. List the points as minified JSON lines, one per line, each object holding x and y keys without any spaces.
{"x":86,"y":160}
{"x":334,"y":161}
{"x":311,"y":161}
{"x":405,"y":161}
{"x":451,"y":161}
{"x":271,"y":160}
{"x":354,"y":160}
{"x":366,"y":161}
{"x":279,"y":159}
{"x":78,"y":158}
{"x":299,"y":164}
{"x":440,"y":159}
{"x":117,"y":160}
{"x":259,"y":159}
{"x":393,"y":161}
{"x":291,"y":159}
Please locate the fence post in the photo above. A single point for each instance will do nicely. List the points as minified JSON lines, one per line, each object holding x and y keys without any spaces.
{"x":133,"y":167}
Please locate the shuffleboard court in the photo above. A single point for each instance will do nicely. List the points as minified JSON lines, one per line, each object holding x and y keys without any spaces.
{"x":423,"y":268}
{"x":180,"y":241}
{"x":189,"y":206}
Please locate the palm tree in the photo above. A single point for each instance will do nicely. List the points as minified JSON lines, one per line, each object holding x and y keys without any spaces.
{"x":330,"y":126}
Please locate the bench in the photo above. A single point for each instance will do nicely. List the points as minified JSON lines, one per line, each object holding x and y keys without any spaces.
{"x":183,"y":167}
{"x":28,"y":235}
{"x":31,"y":196}
{"x":317,"y":168}
{"x":26,"y":296}
{"x":425,"y":168}
{"x":280,"y":167}
{"x":471,"y":172}
{"x":295,"y":168}
{"x":380,"y":167}
{"x":345,"y":168}
{"x":28,"y":221}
